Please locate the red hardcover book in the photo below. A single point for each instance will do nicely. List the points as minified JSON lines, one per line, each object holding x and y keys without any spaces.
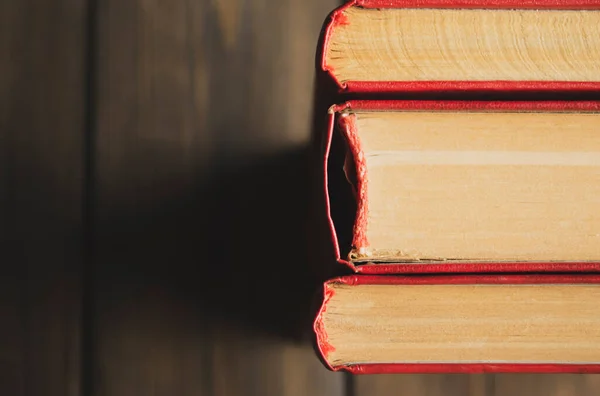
{"x":460,"y":324}
{"x":463,"y":45}
{"x":464,"y":186}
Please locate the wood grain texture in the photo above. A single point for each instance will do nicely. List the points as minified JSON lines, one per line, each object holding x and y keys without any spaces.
{"x":203,"y":124}
{"x":478,"y":384}
{"x":545,"y":384}
{"x":419,"y":384}
{"x":42,"y":81}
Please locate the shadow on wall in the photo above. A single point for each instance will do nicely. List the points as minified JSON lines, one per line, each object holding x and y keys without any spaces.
{"x":248,"y":246}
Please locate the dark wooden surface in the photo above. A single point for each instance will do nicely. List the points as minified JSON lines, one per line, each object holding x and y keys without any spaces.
{"x":200,"y":276}
{"x":42,"y":111}
{"x":478,"y":385}
{"x":154,"y":189}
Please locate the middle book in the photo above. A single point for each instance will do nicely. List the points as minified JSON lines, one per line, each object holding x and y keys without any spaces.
{"x":464,"y":186}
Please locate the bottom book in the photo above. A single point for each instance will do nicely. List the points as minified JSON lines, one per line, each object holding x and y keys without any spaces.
{"x":460,"y":324}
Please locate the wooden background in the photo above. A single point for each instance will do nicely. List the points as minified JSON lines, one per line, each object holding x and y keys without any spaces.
{"x":153,"y":191}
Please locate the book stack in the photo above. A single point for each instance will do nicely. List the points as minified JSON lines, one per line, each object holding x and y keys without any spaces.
{"x":472,"y":225}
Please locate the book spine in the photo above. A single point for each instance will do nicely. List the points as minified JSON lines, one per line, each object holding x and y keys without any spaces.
{"x":326,"y":150}
{"x":358,"y":164}
{"x":321,"y":341}
{"x":335,"y":18}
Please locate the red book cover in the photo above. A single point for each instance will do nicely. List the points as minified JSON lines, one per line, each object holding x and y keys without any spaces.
{"x":339,"y":18}
{"x":360,"y":221}
{"x":324,"y":348}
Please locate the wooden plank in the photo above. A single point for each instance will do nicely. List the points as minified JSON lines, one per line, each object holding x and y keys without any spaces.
{"x":42,"y":88}
{"x":419,"y":384}
{"x":478,"y":385}
{"x":203,"y":124}
{"x":546,"y":384}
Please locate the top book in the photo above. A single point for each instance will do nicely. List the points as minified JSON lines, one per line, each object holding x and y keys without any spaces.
{"x":478,"y":45}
